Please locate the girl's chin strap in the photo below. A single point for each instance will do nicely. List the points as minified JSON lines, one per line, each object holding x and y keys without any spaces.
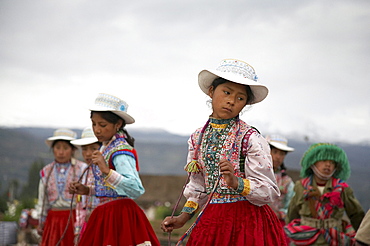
{"x":320,"y":174}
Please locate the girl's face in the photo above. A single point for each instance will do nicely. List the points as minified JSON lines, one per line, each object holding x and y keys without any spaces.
{"x":63,"y":152}
{"x":278,"y":157}
{"x":88,"y":150}
{"x":228,"y":99}
{"x":325,"y":167}
{"x":104,"y":130}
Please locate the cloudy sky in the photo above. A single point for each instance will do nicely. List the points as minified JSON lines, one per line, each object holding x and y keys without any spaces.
{"x":314,"y":56}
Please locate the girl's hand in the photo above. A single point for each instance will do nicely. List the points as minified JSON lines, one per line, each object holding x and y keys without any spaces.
{"x":98,"y":159}
{"x":227,"y":171}
{"x":40,"y":230}
{"x":78,"y":188}
{"x":168,"y":224}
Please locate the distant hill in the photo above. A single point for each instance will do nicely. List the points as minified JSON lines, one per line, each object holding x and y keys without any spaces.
{"x":160,"y":153}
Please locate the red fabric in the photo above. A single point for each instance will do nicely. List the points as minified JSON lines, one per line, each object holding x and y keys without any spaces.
{"x":282,"y":223}
{"x":119,"y":222}
{"x":54,"y":227}
{"x":237,"y":223}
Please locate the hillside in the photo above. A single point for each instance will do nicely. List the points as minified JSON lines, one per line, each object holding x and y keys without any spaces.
{"x":160,"y":153}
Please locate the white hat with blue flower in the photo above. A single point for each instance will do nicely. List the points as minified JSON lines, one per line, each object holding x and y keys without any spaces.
{"x":107,"y":102}
{"x":235,"y":71}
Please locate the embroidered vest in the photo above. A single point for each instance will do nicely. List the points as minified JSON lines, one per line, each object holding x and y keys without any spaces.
{"x":119,"y":146}
{"x":230,"y":148}
{"x":56,"y":183}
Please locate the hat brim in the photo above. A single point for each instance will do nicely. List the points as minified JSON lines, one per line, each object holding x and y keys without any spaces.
{"x":50,"y":140}
{"x":206,"y":78}
{"x":125,"y":116}
{"x":281,"y":146}
{"x":84,"y":141}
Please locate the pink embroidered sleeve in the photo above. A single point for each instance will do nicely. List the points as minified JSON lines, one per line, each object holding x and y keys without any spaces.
{"x":195,"y":190}
{"x":259,"y":170}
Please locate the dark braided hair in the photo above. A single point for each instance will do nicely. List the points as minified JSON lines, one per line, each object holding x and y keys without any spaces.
{"x":113,"y":118}
{"x":283,"y":169}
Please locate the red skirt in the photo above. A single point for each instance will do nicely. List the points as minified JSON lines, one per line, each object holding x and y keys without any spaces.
{"x":54,"y":227}
{"x":118,"y":222}
{"x":237,"y":223}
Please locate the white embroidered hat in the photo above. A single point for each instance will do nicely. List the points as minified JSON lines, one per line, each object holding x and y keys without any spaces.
{"x":106,"y":102}
{"x":87,"y":137}
{"x":235,"y":71}
{"x":279,"y":142}
{"x":61,"y":134}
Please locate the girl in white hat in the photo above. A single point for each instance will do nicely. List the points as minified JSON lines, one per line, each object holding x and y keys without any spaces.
{"x":117,"y":220}
{"x":279,"y":149}
{"x":230,"y":167}
{"x":54,"y":199}
{"x":85,"y":204}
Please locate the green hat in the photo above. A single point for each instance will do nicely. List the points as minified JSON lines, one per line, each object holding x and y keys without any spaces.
{"x":325,"y":151}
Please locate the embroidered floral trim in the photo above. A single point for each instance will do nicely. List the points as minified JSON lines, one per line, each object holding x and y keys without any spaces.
{"x":190,"y":207}
{"x":246,"y":188}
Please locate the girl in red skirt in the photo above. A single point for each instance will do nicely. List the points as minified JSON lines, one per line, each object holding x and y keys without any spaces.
{"x":231,"y":177}
{"x":117,"y":220}
{"x":54,"y":200}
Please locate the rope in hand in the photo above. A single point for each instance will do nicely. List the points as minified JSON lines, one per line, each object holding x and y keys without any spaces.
{"x":187,"y":233}
{"x":176,"y":205}
{"x":71,"y":207}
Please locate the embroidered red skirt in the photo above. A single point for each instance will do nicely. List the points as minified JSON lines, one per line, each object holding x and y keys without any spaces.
{"x":238,"y":223}
{"x":54,"y":227}
{"x":118,"y":222}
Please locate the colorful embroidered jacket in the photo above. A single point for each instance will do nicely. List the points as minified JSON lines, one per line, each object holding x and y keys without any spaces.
{"x":245,"y":148}
{"x":54,"y":183}
{"x":308,"y":202}
{"x":123,"y":179}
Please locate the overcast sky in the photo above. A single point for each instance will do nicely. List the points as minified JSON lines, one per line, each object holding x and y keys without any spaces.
{"x":314,"y":56}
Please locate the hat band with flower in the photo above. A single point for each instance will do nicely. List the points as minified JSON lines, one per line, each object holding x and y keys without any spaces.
{"x":106,"y":102}
{"x":111,"y":102}
{"x":322,"y":152}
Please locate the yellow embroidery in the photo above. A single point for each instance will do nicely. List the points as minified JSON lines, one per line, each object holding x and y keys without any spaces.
{"x":218,"y":126}
{"x":107,"y":183}
{"x":247,"y":187}
{"x":191,"y":204}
